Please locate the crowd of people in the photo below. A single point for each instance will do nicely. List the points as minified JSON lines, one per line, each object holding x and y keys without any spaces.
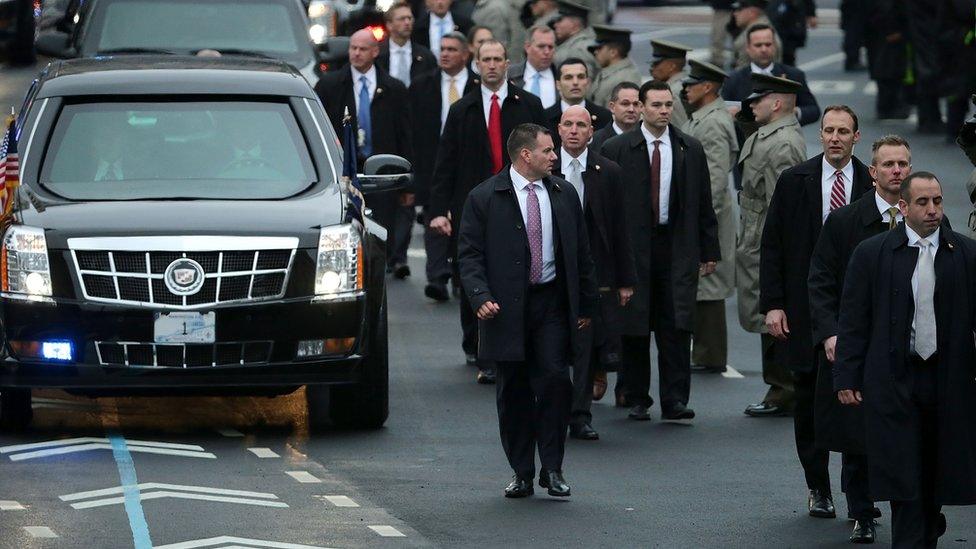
{"x":575,"y":208}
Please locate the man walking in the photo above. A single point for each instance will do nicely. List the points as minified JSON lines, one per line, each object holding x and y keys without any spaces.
{"x":573,"y":85}
{"x":625,"y":108}
{"x":530,"y":314}
{"x":401,"y":57}
{"x":537,"y":74}
{"x":611,"y":49}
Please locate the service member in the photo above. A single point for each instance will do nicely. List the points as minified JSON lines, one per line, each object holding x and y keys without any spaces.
{"x":574,"y":35}
{"x":668,"y":66}
{"x":611,"y":49}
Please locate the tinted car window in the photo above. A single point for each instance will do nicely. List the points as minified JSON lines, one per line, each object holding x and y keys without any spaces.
{"x":218,"y":150}
{"x":272,"y":27}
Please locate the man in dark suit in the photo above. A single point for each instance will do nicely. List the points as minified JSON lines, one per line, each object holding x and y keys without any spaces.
{"x":532,"y":290}
{"x":841,"y":428}
{"x":673,"y":231}
{"x":440,"y":19}
{"x":401,"y":57}
{"x":905,"y":354}
{"x":803,"y":197}
{"x":431,"y":97}
{"x":598,"y":183}
{"x":380,"y":111}
{"x":470,"y":151}
{"x":625,"y":107}
{"x":573,"y":85}
{"x":761,"y":47}
{"x":537,"y":74}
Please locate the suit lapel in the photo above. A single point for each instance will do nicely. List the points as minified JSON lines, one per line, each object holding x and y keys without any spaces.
{"x":675,"y":198}
{"x":593,"y":198}
{"x":814,"y":190}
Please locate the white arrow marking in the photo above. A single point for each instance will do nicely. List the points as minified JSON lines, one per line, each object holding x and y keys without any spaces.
{"x":106,"y":446}
{"x":40,"y":532}
{"x":303,"y":476}
{"x":263,"y":452}
{"x":83,"y":444}
{"x":145,"y":496}
{"x":177,"y":487}
{"x":387,"y":531}
{"x":7,"y":505}
{"x":731,"y":372}
{"x":69,"y":441}
{"x":243,"y":543}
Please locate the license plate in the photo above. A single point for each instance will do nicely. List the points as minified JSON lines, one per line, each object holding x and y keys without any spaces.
{"x":185,"y":327}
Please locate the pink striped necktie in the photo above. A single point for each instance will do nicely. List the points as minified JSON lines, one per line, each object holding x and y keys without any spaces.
{"x":838,"y":197}
{"x":534,"y":230}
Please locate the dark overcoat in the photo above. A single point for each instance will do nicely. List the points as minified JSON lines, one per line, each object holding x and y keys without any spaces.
{"x":494,"y":261}
{"x":738,"y":86}
{"x":694,"y":228}
{"x":792,"y":227}
{"x":421,"y":29}
{"x":877,"y":307}
{"x":839,"y":428}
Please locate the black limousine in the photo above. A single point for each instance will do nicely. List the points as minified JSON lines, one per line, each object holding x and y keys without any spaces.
{"x":180,"y":227}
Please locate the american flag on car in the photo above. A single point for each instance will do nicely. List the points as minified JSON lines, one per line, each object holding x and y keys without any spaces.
{"x":9,"y":168}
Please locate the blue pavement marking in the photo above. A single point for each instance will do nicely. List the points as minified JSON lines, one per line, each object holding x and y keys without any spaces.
{"x":130,"y":487}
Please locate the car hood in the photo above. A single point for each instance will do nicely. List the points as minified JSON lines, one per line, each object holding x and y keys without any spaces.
{"x":296,"y":217}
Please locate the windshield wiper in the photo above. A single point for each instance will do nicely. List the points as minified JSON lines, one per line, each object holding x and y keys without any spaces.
{"x":134,"y":50}
{"x":237,"y":51}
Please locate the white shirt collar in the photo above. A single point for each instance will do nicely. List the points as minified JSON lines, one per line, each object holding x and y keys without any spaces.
{"x":829,"y":171}
{"x":370,"y":74}
{"x":756,"y":68}
{"x":521,"y":182}
{"x":434,"y":18}
{"x":459,"y":78}
{"x":913,"y":237}
{"x":883,"y":206}
{"x":502,"y":93}
{"x":565,"y":158}
{"x":394,"y":47}
{"x":530,"y":72}
{"x":617,"y":129}
{"x":649,"y":137}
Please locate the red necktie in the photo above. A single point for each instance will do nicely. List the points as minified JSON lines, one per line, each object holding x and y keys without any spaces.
{"x":656,"y":183}
{"x":838,"y":197}
{"x":495,"y":134}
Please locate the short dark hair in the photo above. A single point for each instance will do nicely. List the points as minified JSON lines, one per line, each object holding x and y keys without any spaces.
{"x":905,"y":191}
{"x":840,"y":108}
{"x":573,"y":61}
{"x":524,"y":136}
{"x":623,"y":48}
{"x":615,"y":94}
{"x":474,"y":30}
{"x":456,"y":35}
{"x":388,"y":15}
{"x":652,"y":85}
{"x":889,"y":140}
{"x":759,"y":27}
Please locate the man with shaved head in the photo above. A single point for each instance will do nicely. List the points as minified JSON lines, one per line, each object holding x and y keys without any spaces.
{"x":597,"y":181}
{"x":380,"y":111}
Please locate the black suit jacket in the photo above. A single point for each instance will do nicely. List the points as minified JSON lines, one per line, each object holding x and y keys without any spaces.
{"x":421,"y":29}
{"x":694,"y":228}
{"x":738,"y":86}
{"x":793,"y":223}
{"x":422,"y":62}
{"x":494,"y":260}
{"x":425,"y":105}
{"x":602,"y":135}
{"x":464,"y":154}
{"x":599,"y":117}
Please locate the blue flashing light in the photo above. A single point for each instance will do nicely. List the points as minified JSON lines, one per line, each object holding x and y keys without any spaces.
{"x":56,"y":350}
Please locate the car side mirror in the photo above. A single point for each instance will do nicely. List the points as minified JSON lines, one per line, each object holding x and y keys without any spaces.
{"x":54,"y":44}
{"x":385,"y":172}
{"x":332,"y":54}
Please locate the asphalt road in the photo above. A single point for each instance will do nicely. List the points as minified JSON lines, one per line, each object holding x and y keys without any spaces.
{"x":244,"y":472}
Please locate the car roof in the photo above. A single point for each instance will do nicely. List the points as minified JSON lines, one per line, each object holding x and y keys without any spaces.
{"x":172,"y":74}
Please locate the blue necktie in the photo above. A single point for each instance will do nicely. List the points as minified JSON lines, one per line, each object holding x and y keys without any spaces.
{"x":535,"y":86}
{"x":363,"y":117}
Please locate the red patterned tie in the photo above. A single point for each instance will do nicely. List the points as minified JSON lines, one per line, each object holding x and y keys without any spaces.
{"x":495,"y":134}
{"x":838,"y":197}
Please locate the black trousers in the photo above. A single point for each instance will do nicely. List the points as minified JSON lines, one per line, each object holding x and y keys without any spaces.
{"x":403,"y":220}
{"x":438,"y":248}
{"x":673,"y":345}
{"x":534,"y":395}
{"x":853,"y":16}
{"x":917,"y":523}
{"x":813,"y":459}
{"x":854,"y":483}
{"x":586,"y":362}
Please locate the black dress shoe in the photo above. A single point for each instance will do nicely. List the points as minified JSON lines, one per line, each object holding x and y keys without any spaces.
{"x":863,"y":532}
{"x":764,"y":409}
{"x":821,"y":504}
{"x":639,"y":413}
{"x":519,"y":487}
{"x":679,"y":411}
{"x":942,"y":525}
{"x":708,"y":368}
{"x":486,"y":376}
{"x":437,"y":292}
{"x":554,"y":483}
{"x":583,"y":431}
{"x":401,"y":271}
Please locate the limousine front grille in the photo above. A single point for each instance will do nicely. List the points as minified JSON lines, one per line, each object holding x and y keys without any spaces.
{"x":112,"y":274}
{"x":182,"y":355}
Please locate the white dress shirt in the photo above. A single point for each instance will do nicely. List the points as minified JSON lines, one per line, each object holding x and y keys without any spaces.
{"x":665,"y":148}
{"x":357,"y":85}
{"x":565,"y":159}
{"x":883,"y":208}
{"x":396,"y":58}
{"x":545,"y":208}
{"x":460,"y":81}
{"x":913,"y":238}
{"x":547,"y":84}
{"x":617,"y":129}
{"x":435,"y":34}
{"x":486,"y":94}
{"x":827,"y":185}
{"x":757,"y":69}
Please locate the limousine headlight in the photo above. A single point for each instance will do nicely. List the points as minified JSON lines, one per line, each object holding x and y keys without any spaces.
{"x":24,"y":267}
{"x":339,"y":267}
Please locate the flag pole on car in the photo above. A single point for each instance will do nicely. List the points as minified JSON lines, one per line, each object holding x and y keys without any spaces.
{"x":354,"y":191}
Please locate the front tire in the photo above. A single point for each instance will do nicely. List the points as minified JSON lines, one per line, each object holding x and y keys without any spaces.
{"x":16,"y":412}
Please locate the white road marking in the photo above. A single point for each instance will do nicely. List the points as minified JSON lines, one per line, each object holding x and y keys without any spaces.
{"x":71,"y":445}
{"x":871,"y":88}
{"x":106,"y":446}
{"x":230,"y":433}
{"x":239,"y":543}
{"x":40,"y":532}
{"x":263,"y":452}
{"x":822,"y":62}
{"x":387,"y":531}
{"x":145,"y":496}
{"x":340,"y":501}
{"x":416,"y":253}
{"x":673,"y":31}
{"x":827,"y":87}
{"x":176,"y":487}
{"x":7,"y":505}
{"x":303,"y":476}
{"x":732,"y":373}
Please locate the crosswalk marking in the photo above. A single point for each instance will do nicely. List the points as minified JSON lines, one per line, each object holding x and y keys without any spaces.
{"x":387,"y":531}
{"x":303,"y":476}
{"x":831,"y":87}
{"x":732,"y":373}
{"x":7,"y":505}
{"x":40,"y":532}
{"x":340,"y":501}
{"x":263,"y":452}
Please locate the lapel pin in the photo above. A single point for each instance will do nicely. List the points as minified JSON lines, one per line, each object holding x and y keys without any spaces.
{"x":516,"y":97}
{"x":949,"y":244}
{"x":596,"y":167}
{"x":379,"y":90}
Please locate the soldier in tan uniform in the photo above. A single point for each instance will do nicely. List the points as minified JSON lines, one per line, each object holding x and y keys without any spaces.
{"x":574,"y":36}
{"x":776,"y":146}
{"x":712,"y":124}
{"x":747,"y":13}
{"x":668,"y":65}
{"x":611,"y":50}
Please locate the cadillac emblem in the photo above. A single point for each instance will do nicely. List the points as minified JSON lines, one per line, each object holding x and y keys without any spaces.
{"x":184,"y":277}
